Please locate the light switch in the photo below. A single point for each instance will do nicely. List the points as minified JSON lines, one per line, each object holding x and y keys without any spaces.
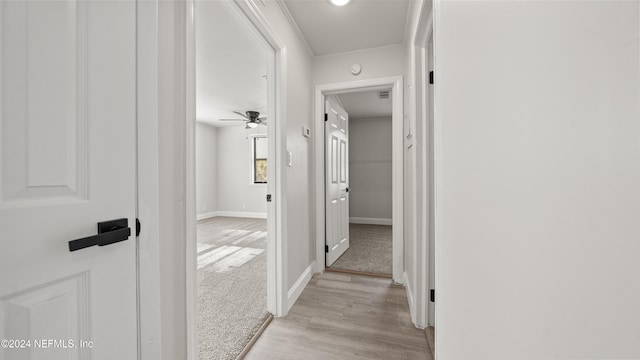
{"x":289,"y":158}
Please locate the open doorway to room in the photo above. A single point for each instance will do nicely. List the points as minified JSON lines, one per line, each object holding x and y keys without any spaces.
{"x":232,"y":179}
{"x":332,"y":173}
{"x":369,"y":182}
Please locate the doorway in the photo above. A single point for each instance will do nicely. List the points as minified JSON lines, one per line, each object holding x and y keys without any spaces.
{"x":369,"y":181}
{"x":322,"y":93}
{"x":233,"y":270}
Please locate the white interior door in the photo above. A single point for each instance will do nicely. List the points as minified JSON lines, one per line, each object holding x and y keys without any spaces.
{"x":337,"y":181}
{"x":67,"y":162}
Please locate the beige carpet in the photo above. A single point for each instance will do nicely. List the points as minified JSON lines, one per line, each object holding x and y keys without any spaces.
{"x":232,"y":292}
{"x":370,"y":250}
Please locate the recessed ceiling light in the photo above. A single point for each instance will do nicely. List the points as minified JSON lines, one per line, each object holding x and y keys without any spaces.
{"x":339,"y":2}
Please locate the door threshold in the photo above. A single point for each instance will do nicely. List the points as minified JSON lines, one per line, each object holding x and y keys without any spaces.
{"x":355,"y":272}
{"x":255,"y":338}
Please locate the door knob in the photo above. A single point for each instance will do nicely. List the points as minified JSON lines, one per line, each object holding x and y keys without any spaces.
{"x":109,"y":232}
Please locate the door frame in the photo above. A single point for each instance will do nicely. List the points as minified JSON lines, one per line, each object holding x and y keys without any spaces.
{"x":321,"y":91}
{"x":422,"y":117}
{"x":253,"y":19}
{"x":167,"y":309}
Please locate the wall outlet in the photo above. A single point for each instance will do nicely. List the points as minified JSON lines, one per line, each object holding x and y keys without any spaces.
{"x":306,"y":132}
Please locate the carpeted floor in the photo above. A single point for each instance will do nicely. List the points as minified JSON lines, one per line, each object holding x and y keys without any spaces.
{"x":232,"y":291}
{"x":370,"y":250}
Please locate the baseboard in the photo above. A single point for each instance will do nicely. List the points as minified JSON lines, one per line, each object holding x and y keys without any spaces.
{"x":370,"y":221}
{"x":298,"y":287}
{"x":410,"y":299}
{"x":207,"y":215}
{"x":239,"y":214}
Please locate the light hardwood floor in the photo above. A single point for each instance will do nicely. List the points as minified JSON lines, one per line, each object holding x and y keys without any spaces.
{"x":345,"y":316}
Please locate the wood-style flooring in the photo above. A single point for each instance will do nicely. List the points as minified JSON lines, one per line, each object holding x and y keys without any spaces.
{"x":345,"y":316}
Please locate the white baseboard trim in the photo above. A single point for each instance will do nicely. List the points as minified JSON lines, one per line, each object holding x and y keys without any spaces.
{"x":242,"y":214}
{"x":239,"y":214}
{"x":300,"y":284}
{"x":206,"y":215}
{"x":370,"y":221}
{"x":410,"y":299}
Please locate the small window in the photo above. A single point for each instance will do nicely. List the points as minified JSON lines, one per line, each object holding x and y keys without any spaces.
{"x":259,"y":159}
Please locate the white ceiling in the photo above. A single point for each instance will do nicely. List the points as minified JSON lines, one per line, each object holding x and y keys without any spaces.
{"x":230,"y":65}
{"x":366,"y":105}
{"x":361,"y":24}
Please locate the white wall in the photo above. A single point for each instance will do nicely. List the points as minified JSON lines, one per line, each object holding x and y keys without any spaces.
{"x":206,"y":168}
{"x":298,"y":90}
{"x":538,"y":231}
{"x":370,"y":174}
{"x":235,"y":191}
{"x":377,"y":63}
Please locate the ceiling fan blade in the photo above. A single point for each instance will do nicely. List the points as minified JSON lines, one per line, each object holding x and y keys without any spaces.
{"x":233,"y":120}
{"x":241,"y":114}
{"x":262,"y":118}
{"x":263,"y":123}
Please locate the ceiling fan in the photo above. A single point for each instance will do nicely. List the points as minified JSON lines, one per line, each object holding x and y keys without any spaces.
{"x":252,"y":119}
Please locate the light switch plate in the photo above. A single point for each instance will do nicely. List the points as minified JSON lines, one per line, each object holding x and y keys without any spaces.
{"x":289,"y":158}
{"x":306,"y":132}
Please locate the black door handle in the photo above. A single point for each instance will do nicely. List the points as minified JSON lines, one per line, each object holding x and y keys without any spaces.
{"x":109,"y":232}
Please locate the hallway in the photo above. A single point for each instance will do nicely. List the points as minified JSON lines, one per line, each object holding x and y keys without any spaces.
{"x":343,"y":316}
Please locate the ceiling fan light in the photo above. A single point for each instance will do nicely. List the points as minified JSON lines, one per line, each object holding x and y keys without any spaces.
{"x":339,"y":2}
{"x":251,"y":124}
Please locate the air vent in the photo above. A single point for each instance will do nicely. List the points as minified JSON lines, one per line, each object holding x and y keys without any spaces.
{"x":383,"y":94}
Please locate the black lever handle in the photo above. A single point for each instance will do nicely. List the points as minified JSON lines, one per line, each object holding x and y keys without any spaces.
{"x":109,"y":232}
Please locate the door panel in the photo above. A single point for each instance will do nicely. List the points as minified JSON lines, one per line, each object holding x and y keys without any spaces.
{"x":337,"y":182}
{"x":67,"y":162}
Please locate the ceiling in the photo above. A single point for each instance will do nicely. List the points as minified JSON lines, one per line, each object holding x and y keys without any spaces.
{"x":361,"y":24}
{"x":365,"y":105}
{"x":230,"y":65}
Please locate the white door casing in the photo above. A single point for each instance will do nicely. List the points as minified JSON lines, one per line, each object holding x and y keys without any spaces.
{"x":320,"y":94}
{"x":337,"y":180}
{"x":431,"y":190}
{"x":67,"y":162}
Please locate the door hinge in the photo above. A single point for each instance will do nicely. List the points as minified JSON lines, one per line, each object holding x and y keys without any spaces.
{"x":326,"y":248}
{"x":138,"y":227}
{"x":326,"y":117}
{"x":268,"y":197}
{"x":432,"y":295}
{"x":431,"y":77}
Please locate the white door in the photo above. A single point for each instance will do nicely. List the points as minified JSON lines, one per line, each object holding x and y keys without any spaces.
{"x":337,"y":181}
{"x":67,"y":162}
